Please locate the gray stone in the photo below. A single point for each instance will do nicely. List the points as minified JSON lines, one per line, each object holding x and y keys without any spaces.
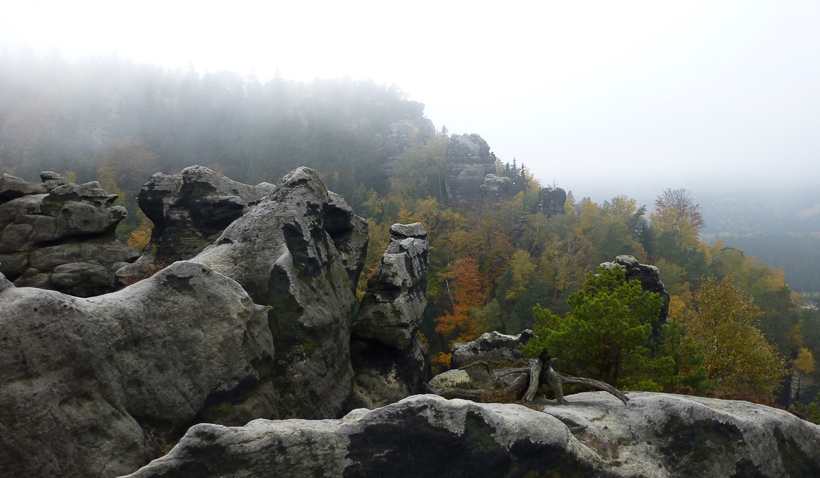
{"x":349,"y":234}
{"x":650,"y":278}
{"x":497,"y":187}
{"x":12,"y":187}
{"x":388,"y":356}
{"x":286,"y":252}
{"x":47,"y":258}
{"x":96,"y":387}
{"x":415,"y":230}
{"x":81,"y":219}
{"x":469,"y":161}
{"x":52,"y":180}
{"x":657,"y":435}
{"x":14,"y":264}
{"x":491,"y":346}
{"x":551,"y":201}
{"x":20,"y":207}
{"x":191,"y":209}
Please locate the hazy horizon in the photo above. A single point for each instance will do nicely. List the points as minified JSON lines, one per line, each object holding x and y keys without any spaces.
{"x":630,"y":98}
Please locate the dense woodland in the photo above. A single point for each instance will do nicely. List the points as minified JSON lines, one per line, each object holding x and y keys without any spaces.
{"x":494,"y":264}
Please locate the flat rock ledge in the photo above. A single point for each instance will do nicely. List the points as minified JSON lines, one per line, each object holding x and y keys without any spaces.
{"x":657,"y":435}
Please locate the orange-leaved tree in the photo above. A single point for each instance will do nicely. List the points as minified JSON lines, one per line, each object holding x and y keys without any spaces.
{"x":464,"y":293}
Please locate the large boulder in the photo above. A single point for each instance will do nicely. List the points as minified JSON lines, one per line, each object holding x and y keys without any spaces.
{"x":300,"y":251}
{"x":469,"y":161}
{"x":98,"y":387}
{"x":58,"y":235}
{"x":191,"y":209}
{"x":389,"y":358}
{"x":657,"y":435}
{"x":491,"y":346}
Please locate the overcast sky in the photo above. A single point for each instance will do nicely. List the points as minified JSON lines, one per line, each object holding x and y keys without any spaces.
{"x":601,"y":97}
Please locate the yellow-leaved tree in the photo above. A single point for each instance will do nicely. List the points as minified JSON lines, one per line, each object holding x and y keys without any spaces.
{"x":724,"y":321}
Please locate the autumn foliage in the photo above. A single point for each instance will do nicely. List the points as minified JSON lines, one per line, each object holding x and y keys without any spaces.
{"x":463,"y":289}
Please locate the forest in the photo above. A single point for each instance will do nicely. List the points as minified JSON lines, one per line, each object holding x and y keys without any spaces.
{"x":495,"y":264}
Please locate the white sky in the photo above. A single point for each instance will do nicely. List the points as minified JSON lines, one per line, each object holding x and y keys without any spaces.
{"x":602,"y":97}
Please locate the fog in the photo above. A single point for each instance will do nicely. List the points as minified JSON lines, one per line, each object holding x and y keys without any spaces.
{"x":601,"y":98}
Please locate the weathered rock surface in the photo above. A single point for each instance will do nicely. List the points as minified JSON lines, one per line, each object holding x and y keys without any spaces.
{"x":95,"y":387}
{"x":191,"y":209}
{"x":595,"y":435}
{"x":491,"y":346}
{"x":389,"y":359}
{"x":551,"y":201}
{"x":649,"y":277}
{"x":300,"y":251}
{"x":497,"y":187}
{"x":58,"y":235}
{"x":469,"y":161}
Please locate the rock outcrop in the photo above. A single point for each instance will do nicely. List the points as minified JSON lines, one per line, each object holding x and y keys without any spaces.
{"x":95,"y":387}
{"x":123,"y":374}
{"x":414,"y":130}
{"x":191,"y":209}
{"x":657,"y":435}
{"x":469,"y":161}
{"x":389,"y":359}
{"x":497,"y":187}
{"x":649,"y":276}
{"x":58,"y":235}
{"x":491,"y":346}
{"x":551,"y":201}
{"x":300,"y":251}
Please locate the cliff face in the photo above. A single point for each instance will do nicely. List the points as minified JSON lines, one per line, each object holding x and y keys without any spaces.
{"x":469,"y":161}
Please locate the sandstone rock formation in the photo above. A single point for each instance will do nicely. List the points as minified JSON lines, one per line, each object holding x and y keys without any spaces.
{"x":469,"y":161}
{"x":100,"y":386}
{"x":94,"y":387}
{"x":497,"y":187}
{"x":649,"y":277}
{"x":493,"y":346}
{"x":191,"y":209}
{"x":657,"y":435}
{"x":300,"y":251}
{"x":58,"y":235}
{"x":388,"y":356}
{"x":551,"y":201}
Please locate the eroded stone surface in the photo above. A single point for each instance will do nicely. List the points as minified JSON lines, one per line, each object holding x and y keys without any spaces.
{"x":657,"y":435}
{"x":54,"y":224}
{"x":491,"y":346}
{"x":469,"y":161}
{"x":94,"y":387}
{"x":297,"y":251}
{"x":191,"y":209}
{"x":388,"y":356}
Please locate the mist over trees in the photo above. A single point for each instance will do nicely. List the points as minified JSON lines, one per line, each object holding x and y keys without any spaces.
{"x":492,"y":261}
{"x":139,"y":119}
